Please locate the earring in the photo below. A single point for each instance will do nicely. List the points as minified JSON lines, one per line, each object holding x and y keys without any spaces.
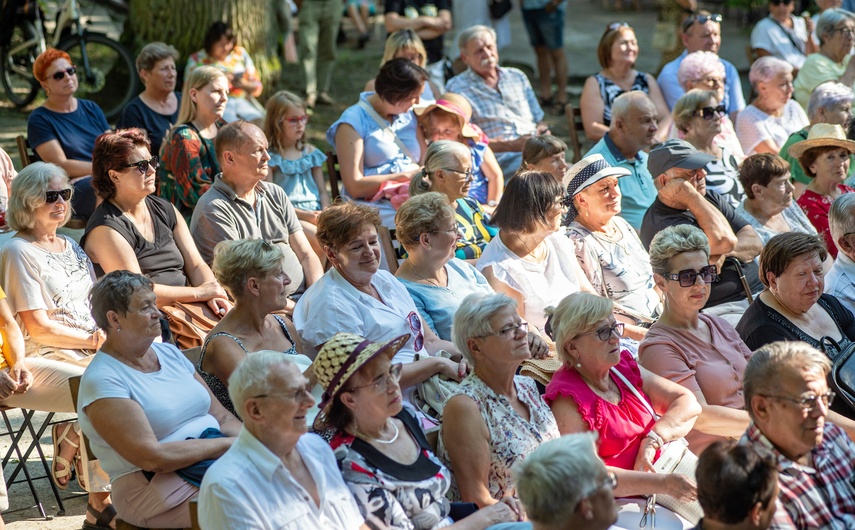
{"x":119,"y":329}
{"x":578,"y":364}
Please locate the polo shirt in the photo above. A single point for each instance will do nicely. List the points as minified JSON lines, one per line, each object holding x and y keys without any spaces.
{"x":636,"y":189}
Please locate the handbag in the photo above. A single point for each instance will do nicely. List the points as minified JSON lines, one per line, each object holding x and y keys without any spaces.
{"x":499,"y":8}
{"x":190,"y":323}
{"x":431,"y":394}
{"x":842,"y":375}
{"x":674,"y":457}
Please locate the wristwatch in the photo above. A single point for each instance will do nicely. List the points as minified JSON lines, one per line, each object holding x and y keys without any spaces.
{"x":657,"y":440}
{"x":492,"y":203}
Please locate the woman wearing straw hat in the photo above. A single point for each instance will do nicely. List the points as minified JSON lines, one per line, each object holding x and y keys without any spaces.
{"x":381,"y":449}
{"x":448,"y":119}
{"x":608,"y":248}
{"x":824,"y":157}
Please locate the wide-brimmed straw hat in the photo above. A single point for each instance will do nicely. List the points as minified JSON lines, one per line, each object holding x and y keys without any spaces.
{"x":454,"y":104}
{"x":584,"y":173}
{"x":341,"y":357}
{"x":823,"y":135}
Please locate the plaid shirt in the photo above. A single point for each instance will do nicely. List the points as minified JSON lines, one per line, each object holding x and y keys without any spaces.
{"x":506,"y":112}
{"x":821,"y":496}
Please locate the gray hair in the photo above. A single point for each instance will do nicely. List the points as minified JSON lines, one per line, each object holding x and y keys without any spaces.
{"x":556,"y":476}
{"x":472,"y":319}
{"x":154,"y":52}
{"x":113,"y":292}
{"x":28,"y":194}
{"x":577,"y":313}
{"x":689,"y":103}
{"x":829,"y":20}
{"x":473,"y":32}
{"x":767,"y":366}
{"x":238,"y":260}
{"x":697,"y":65}
{"x":676,"y":240}
{"x":623,"y":104}
{"x":766,"y":69}
{"x":828,"y":96}
{"x":252,"y":376}
{"x":440,"y":154}
{"x":841,"y":216}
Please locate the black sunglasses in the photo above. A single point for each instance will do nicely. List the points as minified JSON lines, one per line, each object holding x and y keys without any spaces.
{"x":51,"y":196}
{"x":709,"y":113}
{"x":71,"y":70}
{"x":779,"y":2}
{"x":142,"y":165}
{"x":688,"y":277}
{"x":702,"y":19}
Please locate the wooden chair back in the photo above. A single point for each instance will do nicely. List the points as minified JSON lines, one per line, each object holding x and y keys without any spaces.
{"x":194,"y":515}
{"x":24,"y":153}
{"x":574,"y":121}
{"x":334,"y":174}
{"x":74,"y":386}
{"x":389,"y":254}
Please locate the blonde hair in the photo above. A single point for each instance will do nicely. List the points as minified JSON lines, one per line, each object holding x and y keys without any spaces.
{"x":278,"y":104}
{"x":688,"y":104}
{"x":420,"y":214}
{"x":200,"y":77}
{"x":28,"y":194}
{"x":576,"y":314}
{"x":406,"y":39}
{"x":440,"y":155}
{"x":236,"y":261}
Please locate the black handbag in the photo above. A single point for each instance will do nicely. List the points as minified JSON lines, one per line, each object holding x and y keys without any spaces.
{"x":499,"y":8}
{"x":842,"y":375}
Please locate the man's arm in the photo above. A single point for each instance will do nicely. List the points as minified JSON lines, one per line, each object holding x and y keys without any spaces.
{"x":748,"y":244}
{"x":679,"y":192}
{"x":509,"y":146}
{"x":425,"y":27}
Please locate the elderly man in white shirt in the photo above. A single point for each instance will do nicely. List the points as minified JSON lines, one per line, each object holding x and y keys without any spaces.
{"x":840,"y":280}
{"x":275,"y":475}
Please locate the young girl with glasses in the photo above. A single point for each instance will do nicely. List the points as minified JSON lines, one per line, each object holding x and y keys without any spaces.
{"x":296,"y":165}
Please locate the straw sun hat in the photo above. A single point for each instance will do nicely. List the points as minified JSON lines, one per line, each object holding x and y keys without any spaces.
{"x":454,"y":104}
{"x":341,"y":357}
{"x":823,"y":135}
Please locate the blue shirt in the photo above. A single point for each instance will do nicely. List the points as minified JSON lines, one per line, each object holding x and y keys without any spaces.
{"x":734,"y":100}
{"x":637,"y":189}
{"x":75,"y":131}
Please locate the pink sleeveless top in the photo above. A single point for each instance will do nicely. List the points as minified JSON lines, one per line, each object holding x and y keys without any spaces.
{"x":621,"y":427}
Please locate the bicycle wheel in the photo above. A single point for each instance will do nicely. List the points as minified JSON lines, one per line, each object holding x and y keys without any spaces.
{"x":16,"y":64}
{"x":111,"y":79}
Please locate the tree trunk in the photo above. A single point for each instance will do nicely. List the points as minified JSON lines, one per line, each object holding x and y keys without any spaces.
{"x":183,"y":23}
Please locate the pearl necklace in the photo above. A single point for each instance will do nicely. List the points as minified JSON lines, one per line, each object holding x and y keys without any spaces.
{"x":378,"y":440}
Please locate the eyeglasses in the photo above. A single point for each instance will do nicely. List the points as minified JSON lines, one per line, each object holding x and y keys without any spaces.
{"x":808,"y":403}
{"x":610,"y":481}
{"x":709,"y":113}
{"x":605,"y":333}
{"x":142,"y":165}
{"x":455,"y":231}
{"x":846,"y":32}
{"x":297,"y":119}
{"x":701,"y":19}
{"x":51,"y":196}
{"x":58,"y":76}
{"x":416,"y":327}
{"x":712,"y":82}
{"x":443,"y":132}
{"x":688,"y":277}
{"x":468,"y":173}
{"x":616,"y":25}
{"x":381,"y":385}
{"x":508,"y":332}
{"x":302,"y":392}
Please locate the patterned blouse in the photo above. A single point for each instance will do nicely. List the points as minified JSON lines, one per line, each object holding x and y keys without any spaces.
{"x":816,"y":207}
{"x":512,"y":438}
{"x":392,"y":495}
{"x":237,"y":63}
{"x":217,"y":387}
{"x":609,"y":91}
{"x":188,"y":164}
{"x":472,"y":224}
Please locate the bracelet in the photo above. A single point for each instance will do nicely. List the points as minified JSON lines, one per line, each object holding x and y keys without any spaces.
{"x":657,"y":440}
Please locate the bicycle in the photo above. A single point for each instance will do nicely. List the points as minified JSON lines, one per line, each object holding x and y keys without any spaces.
{"x":105,"y":69}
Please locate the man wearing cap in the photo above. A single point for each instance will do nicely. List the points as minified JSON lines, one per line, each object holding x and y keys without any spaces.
{"x":635,"y":122}
{"x":503,"y":103}
{"x":679,"y":175}
{"x":701,"y":31}
{"x":275,"y":475}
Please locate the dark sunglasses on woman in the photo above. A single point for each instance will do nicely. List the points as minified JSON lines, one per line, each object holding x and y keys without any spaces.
{"x":709,"y":113}
{"x":688,"y":277}
{"x":51,"y":196}
{"x":60,"y":74}
{"x":142,"y":165}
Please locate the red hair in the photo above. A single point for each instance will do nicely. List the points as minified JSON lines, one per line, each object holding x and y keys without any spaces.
{"x":46,"y":59}
{"x":112,"y":150}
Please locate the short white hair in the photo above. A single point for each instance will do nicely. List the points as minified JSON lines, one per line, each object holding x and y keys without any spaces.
{"x":252,"y":376}
{"x":766,"y":69}
{"x":472,"y":319}
{"x":624,"y":103}
{"x":829,"y":20}
{"x":841,"y":216}
{"x":473,"y":32}
{"x":828,"y":96}
{"x":28,"y":194}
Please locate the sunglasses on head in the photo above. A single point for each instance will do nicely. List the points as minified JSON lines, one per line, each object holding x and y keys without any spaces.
{"x":142,"y":165}
{"x":709,"y":113}
{"x":702,"y":19}
{"x":688,"y":277}
{"x":71,"y":70}
{"x":617,"y":25}
{"x":51,"y":196}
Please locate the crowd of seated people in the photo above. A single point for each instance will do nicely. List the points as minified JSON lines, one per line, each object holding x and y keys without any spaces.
{"x":660,"y":285}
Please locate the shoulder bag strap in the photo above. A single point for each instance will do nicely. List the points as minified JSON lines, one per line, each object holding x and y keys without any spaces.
{"x":635,"y":391}
{"x":385,"y":126}
{"x":789,"y":33}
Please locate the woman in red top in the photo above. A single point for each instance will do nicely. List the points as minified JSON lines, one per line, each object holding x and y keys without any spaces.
{"x":589,"y":393}
{"x":824,"y":157}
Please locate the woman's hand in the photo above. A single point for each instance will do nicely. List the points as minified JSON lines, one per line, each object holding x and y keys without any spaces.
{"x":210,"y":289}
{"x":97,"y":338}
{"x":452,"y":369}
{"x":508,"y":510}
{"x":646,"y":454}
{"x":220,"y":306}
{"x":681,"y":487}
{"x":537,"y":346}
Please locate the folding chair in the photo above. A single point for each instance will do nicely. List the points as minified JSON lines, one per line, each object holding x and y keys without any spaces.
{"x":24,"y":153}
{"x":334,"y":174}
{"x":574,"y":121}
{"x":386,"y":238}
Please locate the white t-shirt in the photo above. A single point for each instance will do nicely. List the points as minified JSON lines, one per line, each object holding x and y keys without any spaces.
{"x":57,"y":282}
{"x":175,"y":404}
{"x":754,"y":126}
{"x":778,"y":40}
{"x":541,"y":284}
{"x":250,"y":487}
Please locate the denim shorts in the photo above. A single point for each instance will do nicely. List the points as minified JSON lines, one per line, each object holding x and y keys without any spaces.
{"x":545,"y":29}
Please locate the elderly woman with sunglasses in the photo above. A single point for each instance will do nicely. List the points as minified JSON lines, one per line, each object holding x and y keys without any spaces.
{"x":381,"y":449}
{"x":600,"y":387}
{"x":496,"y":418}
{"x":135,"y":230}
{"x":835,"y":29}
{"x":699,"y":116}
{"x":355,"y":296}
